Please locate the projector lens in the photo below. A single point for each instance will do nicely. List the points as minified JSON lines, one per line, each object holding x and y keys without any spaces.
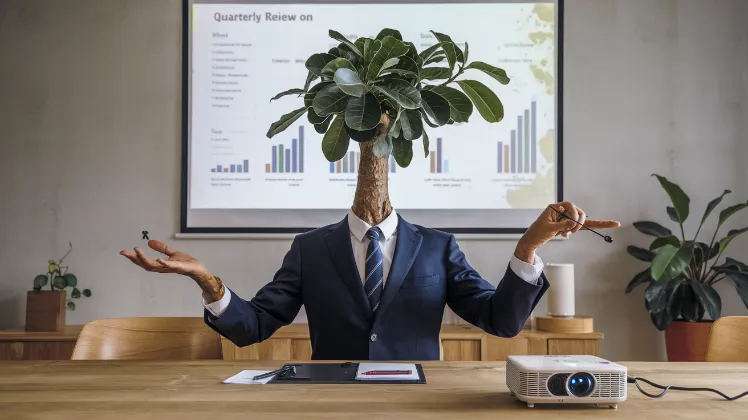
{"x":581,"y":384}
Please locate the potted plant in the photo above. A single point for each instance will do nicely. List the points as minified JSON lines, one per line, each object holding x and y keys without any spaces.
{"x":45,"y":309}
{"x":379,"y":92}
{"x":682,"y":273}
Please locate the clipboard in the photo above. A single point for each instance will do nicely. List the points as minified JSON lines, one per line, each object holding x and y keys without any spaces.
{"x":333,"y":373}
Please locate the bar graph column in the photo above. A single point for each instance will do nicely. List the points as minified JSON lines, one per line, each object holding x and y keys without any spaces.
{"x":533,"y":139}
{"x":520,"y":149}
{"x":439,"y":155}
{"x":514,"y":151}
{"x":526,"y":165}
{"x":301,"y":148}
{"x":233,"y":168}
{"x":284,"y":159}
{"x":294,"y":155}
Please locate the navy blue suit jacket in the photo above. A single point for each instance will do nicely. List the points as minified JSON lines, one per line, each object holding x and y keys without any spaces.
{"x":428,"y":271}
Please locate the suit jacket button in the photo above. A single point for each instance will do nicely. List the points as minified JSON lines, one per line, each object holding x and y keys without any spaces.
{"x":373,"y":337}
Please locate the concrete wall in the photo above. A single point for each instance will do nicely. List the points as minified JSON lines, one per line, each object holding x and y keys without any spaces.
{"x":90,"y":138}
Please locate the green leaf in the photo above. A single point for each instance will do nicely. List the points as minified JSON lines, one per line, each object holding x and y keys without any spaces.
{"x":641,"y":278}
{"x":348,"y":81}
{"x":361,"y":136}
{"x":348,"y":54}
{"x":285,"y":121}
{"x":383,"y":146}
{"x":309,"y":79}
{"x":71,"y":280}
{"x":389,"y":32}
{"x":425,"y":144}
{"x":713,"y":204}
{"x":71,"y":305}
{"x":330,"y":100}
{"x":59,"y":282}
{"x":317,"y":62}
{"x":656,"y":297}
{"x":411,"y":124}
{"x":401,"y":72}
{"x":495,"y":72}
{"x":435,"y":106}
{"x":724,"y":242}
{"x":701,"y":253}
{"x":321,"y":128}
{"x":488,"y":104}
{"x":438,"y":58}
{"x":662,"y":319}
{"x":363,"y":113}
{"x":402,"y":92}
{"x":672,"y":214}
{"x":391,"y":48}
{"x":309,"y":97}
{"x":287,"y":92}
{"x":665,"y":240}
{"x":652,"y":229}
{"x":339,"y":37}
{"x":740,"y":281}
{"x":402,"y":150}
{"x":313,"y":118}
{"x":426,"y":117}
{"x":430,"y":51}
{"x":335,"y":142}
{"x":389,"y":63}
{"x":338,"y":63}
{"x":370,"y":48}
{"x":709,"y":298}
{"x":680,"y":200}
{"x":86,"y":292}
{"x":405,"y":63}
{"x":670,"y":261}
{"x":450,"y":45}
{"x":434,"y":73}
{"x":460,"y":106}
{"x":467,"y":49}
{"x":691,"y":308}
{"x":76,"y":294}
{"x":40,"y":281}
{"x":732,"y":265}
{"x":726,"y":213}
{"x":640,"y":253}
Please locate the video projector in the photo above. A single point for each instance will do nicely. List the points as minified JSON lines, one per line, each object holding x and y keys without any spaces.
{"x":566,"y":379}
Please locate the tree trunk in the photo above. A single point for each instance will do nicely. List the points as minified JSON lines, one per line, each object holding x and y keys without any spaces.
{"x":372,"y":201}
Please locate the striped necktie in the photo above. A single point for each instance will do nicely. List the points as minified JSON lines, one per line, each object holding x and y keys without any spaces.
{"x":373,"y":268}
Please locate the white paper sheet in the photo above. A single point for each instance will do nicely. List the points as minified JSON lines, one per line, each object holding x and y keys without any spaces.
{"x":245,"y":377}
{"x":366,"y":367}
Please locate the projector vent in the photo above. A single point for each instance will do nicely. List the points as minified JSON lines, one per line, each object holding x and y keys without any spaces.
{"x":610,"y":385}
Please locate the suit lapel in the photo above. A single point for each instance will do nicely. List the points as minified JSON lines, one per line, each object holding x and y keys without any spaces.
{"x":341,"y":253}
{"x":406,"y":249}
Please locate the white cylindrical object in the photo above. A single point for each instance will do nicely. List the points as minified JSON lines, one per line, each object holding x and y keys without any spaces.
{"x":561,"y":292}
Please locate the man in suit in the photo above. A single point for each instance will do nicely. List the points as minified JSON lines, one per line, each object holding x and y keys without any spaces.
{"x":377,"y":292}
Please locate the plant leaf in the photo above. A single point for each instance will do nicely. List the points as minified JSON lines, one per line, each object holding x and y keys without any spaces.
{"x":383,"y":146}
{"x":59,"y":282}
{"x":669,"y":261}
{"x":495,"y":72}
{"x":658,"y":242}
{"x":402,"y":92}
{"x":330,"y":100}
{"x":709,"y":298}
{"x":435,"y":73}
{"x":726,"y":213}
{"x":680,"y":200}
{"x":361,"y":136}
{"x":316,"y":62}
{"x":285,"y":121}
{"x":402,"y":150}
{"x":425,"y":144}
{"x":363,"y":113}
{"x":349,"y":82}
{"x":437,"y":58}
{"x":400,"y":72}
{"x":640,"y":278}
{"x":309,"y":79}
{"x":713,"y":204}
{"x":389,"y":32}
{"x":411,"y":124}
{"x":313,"y":118}
{"x":435,"y":106}
{"x":450,"y":48}
{"x":431,"y":51}
{"x":488,"y":104}
{"x":640,"y":253}
{"x":287,"y":92}
{"x":655,"y":297}
{"x":691,"y":308}
{"x":335,"y":142}
{"x":71,"y":305}
{"x":338,"y":63}
{"x":672,"y":214}
{"x":309,"y":97}
{"x":652,"y":229}
{"x":40,"y":281}
{"x":86,"y":292}
{"x":321,"y":128}
{"x":76,"y":294}
{"x":740,"y":281}
{"x":724,"y":242}
{"x":370,"y":48}
{"x":391,"y":48}
{"x":405,"y":63}
{"x":339,"y":37}
{"x":71,"y":280}
{"x":662,"y":319}
{"x":467,"y":50}
{"x":392,"y":62}
{"x":732,"y":265}
{"x":460,"y":106}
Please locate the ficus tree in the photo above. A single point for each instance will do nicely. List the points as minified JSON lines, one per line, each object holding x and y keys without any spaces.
{"x":383,"y":92}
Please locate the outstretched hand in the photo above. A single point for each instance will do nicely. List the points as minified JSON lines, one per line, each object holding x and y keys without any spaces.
{"x":550,"y":224}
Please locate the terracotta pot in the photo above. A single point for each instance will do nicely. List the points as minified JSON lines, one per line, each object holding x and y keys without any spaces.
{"x":687,"y":341}
{"x":45,"y":310}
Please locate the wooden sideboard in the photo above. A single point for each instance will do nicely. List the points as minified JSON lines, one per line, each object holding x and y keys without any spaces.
{"x":460,"y":342}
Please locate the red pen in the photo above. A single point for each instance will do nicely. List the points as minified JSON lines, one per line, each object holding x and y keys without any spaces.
{"x":387,"y":372}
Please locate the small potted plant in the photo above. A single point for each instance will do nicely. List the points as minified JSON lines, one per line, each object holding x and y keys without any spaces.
{"x":682,"y":273}
{"x":45,"y":309}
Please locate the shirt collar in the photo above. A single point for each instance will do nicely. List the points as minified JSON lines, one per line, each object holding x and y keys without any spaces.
{"x":359,"y":228}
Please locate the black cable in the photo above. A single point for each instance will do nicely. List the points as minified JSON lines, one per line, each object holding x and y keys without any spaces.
{"x":634,"y":380}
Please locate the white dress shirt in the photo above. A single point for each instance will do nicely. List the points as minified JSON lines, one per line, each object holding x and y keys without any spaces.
{"x":359,"y":242}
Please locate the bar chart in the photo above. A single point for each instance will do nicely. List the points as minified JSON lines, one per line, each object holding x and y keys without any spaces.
{"x":349,"y":164}
{"x":519,"y":155}
{"x":285,"y":159}
{"x":242,"y":167}
{"x":438,"y":165}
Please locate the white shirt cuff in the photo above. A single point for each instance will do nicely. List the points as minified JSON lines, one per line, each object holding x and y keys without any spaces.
{"x":527,"y":272}
{"x":218,"y":307}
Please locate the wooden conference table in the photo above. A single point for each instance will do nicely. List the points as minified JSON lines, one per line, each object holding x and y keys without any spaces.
{"x":88,"y":390}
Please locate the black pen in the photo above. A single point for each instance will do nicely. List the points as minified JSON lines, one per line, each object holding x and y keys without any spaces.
{"x":272,"y":373}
